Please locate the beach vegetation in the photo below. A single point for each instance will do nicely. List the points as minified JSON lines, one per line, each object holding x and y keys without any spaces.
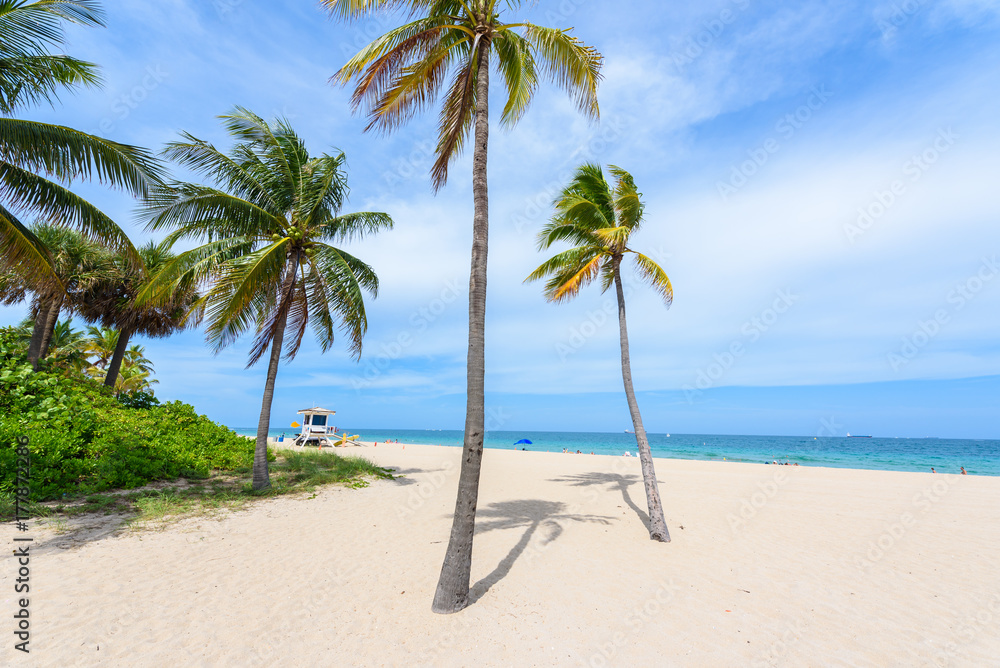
{"x":599,"y":219}
{"x":83,"y":440}
{"x":448,"y":48}
{"x":272,"y":257}
{"x":154,"y":506}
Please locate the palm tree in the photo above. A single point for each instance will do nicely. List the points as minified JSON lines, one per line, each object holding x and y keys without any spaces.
{"x":268,"y":259}
{"x":135,"y":378}
{"x":74,"y":264}
{"x":68,"y":348}
{"x":113,"y":303}
{"x":399,"y":74}
{"x":600,"y":222}
{"x":100,"y":344}
{"x":31,"y":153}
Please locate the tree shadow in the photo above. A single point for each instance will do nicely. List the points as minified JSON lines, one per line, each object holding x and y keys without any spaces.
{"x":617,"y":481}
{"x":400,"y":474}
{"x":532,"y":514}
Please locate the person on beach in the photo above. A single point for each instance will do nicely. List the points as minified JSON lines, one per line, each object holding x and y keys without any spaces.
{"x":963,"y":470}
{"x":932,"y":470}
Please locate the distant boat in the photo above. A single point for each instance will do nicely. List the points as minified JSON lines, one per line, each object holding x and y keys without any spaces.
{"x":856,"y":436}
{"x":629,"y":431}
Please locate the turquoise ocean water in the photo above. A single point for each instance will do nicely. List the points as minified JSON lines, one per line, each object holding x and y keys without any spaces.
{"x":979,"y":457}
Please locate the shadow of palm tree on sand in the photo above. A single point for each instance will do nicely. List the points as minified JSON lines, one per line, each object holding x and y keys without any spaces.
{"x":617,"y":481}
{"x":533,"y":515}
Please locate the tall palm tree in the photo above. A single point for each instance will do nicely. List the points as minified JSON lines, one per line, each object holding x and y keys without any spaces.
{"x":32,"y":153}
{"x":399,"y":74}
{"x":113,"y":303}
{"x":268,"y":259}
{"x":600,"y":222}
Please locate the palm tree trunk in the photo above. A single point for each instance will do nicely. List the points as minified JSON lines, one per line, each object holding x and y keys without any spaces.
{"x":51,"y":319}
{"x":35,"y":346}
{"x":452,"y":592}
{"x":115,"y":365}
{"x":261,"y":476}
{"x":657,"y":524}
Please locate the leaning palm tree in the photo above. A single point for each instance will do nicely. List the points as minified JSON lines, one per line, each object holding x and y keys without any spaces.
{"x":399,"y":74}
{"x":39,"y":160}
{"x":112,"y":302}
{"x":600,"y":222}
{"x":268,"y":259}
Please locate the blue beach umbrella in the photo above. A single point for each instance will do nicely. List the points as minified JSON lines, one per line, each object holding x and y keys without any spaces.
{"x":524,"y":441}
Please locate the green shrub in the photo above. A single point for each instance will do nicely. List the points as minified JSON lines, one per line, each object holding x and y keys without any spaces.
{"x":138,"y":399}
{"x":84,"y":440}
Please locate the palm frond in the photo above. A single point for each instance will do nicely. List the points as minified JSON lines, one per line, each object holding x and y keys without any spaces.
{"x":628,"y":202}
{"x":20,"y":249}
{"x":456,"y":117}
{"x":569,"y":63}
{"x":30,"y":192}
{"x":650,"y":272}
{"x":517,"y":65}
{"x":29,"y":73}
{"x":68,"y":154}
{"x":233,"y":297}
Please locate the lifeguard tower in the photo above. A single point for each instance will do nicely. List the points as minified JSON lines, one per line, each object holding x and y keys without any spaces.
{"x":316,"y":427}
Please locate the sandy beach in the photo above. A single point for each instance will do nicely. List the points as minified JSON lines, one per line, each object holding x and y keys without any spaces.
{"x":768,"y":566}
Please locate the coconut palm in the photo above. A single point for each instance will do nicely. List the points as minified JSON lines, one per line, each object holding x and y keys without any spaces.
{"x":268,"y":259}
{"x":112,"y":302}
{"x":32,"y":153}
{"x":600,"y":222}
{"x":451,"y":44}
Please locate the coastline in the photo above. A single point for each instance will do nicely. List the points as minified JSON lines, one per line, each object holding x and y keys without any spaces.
{"x":767,"y":564}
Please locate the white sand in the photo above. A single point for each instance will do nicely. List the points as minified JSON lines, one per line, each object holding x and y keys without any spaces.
{"x":563,"y":569}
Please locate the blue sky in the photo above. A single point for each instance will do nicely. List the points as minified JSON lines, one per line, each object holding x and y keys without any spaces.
{"x":820,"y":180}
